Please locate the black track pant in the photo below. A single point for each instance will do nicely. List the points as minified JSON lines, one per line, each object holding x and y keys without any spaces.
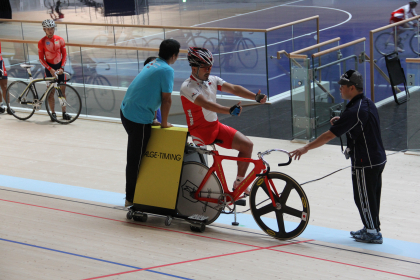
{"x":138,"y":137}
{"x":367,"y":185}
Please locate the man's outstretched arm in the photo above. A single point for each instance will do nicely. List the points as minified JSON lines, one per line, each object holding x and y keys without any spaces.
{"x":241,"y":92}
{"x":318,"y":142}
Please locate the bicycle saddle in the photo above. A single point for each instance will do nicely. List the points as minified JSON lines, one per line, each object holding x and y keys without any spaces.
{"x":26,"y":66}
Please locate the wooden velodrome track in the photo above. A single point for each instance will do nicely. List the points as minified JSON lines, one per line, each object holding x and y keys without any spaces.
{"x":55,"y":224}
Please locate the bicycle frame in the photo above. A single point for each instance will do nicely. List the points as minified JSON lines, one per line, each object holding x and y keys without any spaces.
{"x":259,"y":166}
{"x":53,"y":83}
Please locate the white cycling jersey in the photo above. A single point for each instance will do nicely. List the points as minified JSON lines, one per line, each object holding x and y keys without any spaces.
{"x":197,"y":116}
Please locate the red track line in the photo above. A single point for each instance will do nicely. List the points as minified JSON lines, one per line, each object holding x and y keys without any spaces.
{"x":200,"y":259}
{"x":358,"y":266}
{"x":115,"y":220}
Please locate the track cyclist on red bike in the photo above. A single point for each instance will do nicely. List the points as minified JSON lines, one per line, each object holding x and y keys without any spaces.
{"x":198,"y":96}
{"x":405,"y":12}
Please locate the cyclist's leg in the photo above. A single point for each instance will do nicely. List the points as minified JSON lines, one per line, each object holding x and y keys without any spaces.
{"x":242,"y":144}
{"x":233,"y":139}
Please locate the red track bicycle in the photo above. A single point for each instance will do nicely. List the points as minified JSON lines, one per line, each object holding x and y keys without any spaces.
{"x":277,"y":202}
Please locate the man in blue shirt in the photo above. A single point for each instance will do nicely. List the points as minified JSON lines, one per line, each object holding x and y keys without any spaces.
{"x":150,"y":90}
{"x":360,"y":123}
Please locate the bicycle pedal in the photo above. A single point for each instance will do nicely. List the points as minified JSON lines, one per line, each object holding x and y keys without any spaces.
{"x":240,"y":202}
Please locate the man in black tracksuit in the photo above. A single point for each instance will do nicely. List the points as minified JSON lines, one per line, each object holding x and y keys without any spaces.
{"x":360,"y":123}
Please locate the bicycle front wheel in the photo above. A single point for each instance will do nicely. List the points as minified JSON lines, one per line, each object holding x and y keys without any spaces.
{"x":384,"y":43}
{"x":247,"y":53}
{"x":193,"y":174}
{"x":415,"y":43}
{"x":289,"y":218}
{"x":63,"y":99}
{"x":21,"y":105}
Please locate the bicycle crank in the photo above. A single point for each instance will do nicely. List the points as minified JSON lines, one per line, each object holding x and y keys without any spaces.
{"x":224,"y":203}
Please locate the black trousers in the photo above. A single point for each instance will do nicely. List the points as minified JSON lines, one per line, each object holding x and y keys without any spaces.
{"x":138,"y":137}
{"x":367,"y":186}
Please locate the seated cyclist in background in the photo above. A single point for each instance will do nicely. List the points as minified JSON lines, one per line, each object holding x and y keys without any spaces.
{"x":198,"y":96}
{"x":405,"y":12}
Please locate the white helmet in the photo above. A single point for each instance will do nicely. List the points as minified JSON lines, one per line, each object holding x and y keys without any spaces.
{"x":48,"y":23}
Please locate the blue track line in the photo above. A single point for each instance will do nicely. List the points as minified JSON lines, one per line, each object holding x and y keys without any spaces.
{"x":95,"y":259}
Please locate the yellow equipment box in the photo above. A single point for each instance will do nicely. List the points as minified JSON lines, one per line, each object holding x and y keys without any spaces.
{"x":160,"y":171}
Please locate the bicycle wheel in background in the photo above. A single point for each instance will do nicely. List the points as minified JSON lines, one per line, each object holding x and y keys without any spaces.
{"x":290,"y":216}
{"x":415,"y":43}
{"x":20,"y":108}
{"x":192,"y":175}
{"x":105,"y":97}
{"x":247,"y":53}
{"x":71,"y":104}
{"x":384,"y":43}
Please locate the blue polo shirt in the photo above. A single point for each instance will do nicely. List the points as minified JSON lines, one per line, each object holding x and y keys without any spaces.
{"x":143,"y":96}
{"x":360,"y":123}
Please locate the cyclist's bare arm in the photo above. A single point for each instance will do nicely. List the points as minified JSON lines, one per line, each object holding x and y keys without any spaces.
{"x":241,"y":92}
{"x":211,"y":106}
{"x":164,"y":109}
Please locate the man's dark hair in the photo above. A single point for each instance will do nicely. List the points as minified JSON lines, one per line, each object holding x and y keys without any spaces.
{"x":168,"y":48}
{"x":151,"y":58}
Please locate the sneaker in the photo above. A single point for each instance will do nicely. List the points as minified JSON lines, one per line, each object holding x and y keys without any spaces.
{"x":128,"y":203}
{"x":10,"y":111}
{"x":66,"y":116}
{"x":2,"y":110}
{"x":359,"y":232}
{"x":247,"y":191}
{"x":367,"y":237}
{"x":53,"y":117}
{"x":400,"y":50}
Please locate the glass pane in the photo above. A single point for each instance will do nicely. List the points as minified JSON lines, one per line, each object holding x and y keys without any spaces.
{"x":242,"y":59}
{"x":11,"y":30}
{"x":14,"y":54}
{"x":302,"y":108}
{"x":413,"y":108}
{"x":103,"y":96}
{"x":304,"y":35}
{"x":279,"y":69}
{"x":325,"y":91}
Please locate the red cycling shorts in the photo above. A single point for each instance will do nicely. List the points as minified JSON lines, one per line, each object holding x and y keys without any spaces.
{"x":208,"y":135}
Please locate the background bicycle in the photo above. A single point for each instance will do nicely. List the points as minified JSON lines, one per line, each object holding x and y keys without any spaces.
{"x":234,"y":45}
{"x":385,"y":42}
{"x":23,"y":99}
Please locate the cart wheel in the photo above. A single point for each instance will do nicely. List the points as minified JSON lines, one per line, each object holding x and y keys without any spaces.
{"x":129,"y":215}
{"x":200,"y":228}
{"x":168,"y":220}
{"x":141,"y":218}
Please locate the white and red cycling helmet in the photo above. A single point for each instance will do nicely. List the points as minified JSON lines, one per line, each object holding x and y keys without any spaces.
{"x":200,"y":57}
{"x":48,"y":23}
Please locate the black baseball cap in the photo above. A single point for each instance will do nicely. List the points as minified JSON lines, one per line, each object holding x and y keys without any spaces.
{"x":351,"y":78}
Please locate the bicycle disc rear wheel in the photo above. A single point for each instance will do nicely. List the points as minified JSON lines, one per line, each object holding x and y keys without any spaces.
{"x":290,"y":216}
{"x":71,"y":104}
{"x":19,"y":108}
{"x":192,"y":175}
